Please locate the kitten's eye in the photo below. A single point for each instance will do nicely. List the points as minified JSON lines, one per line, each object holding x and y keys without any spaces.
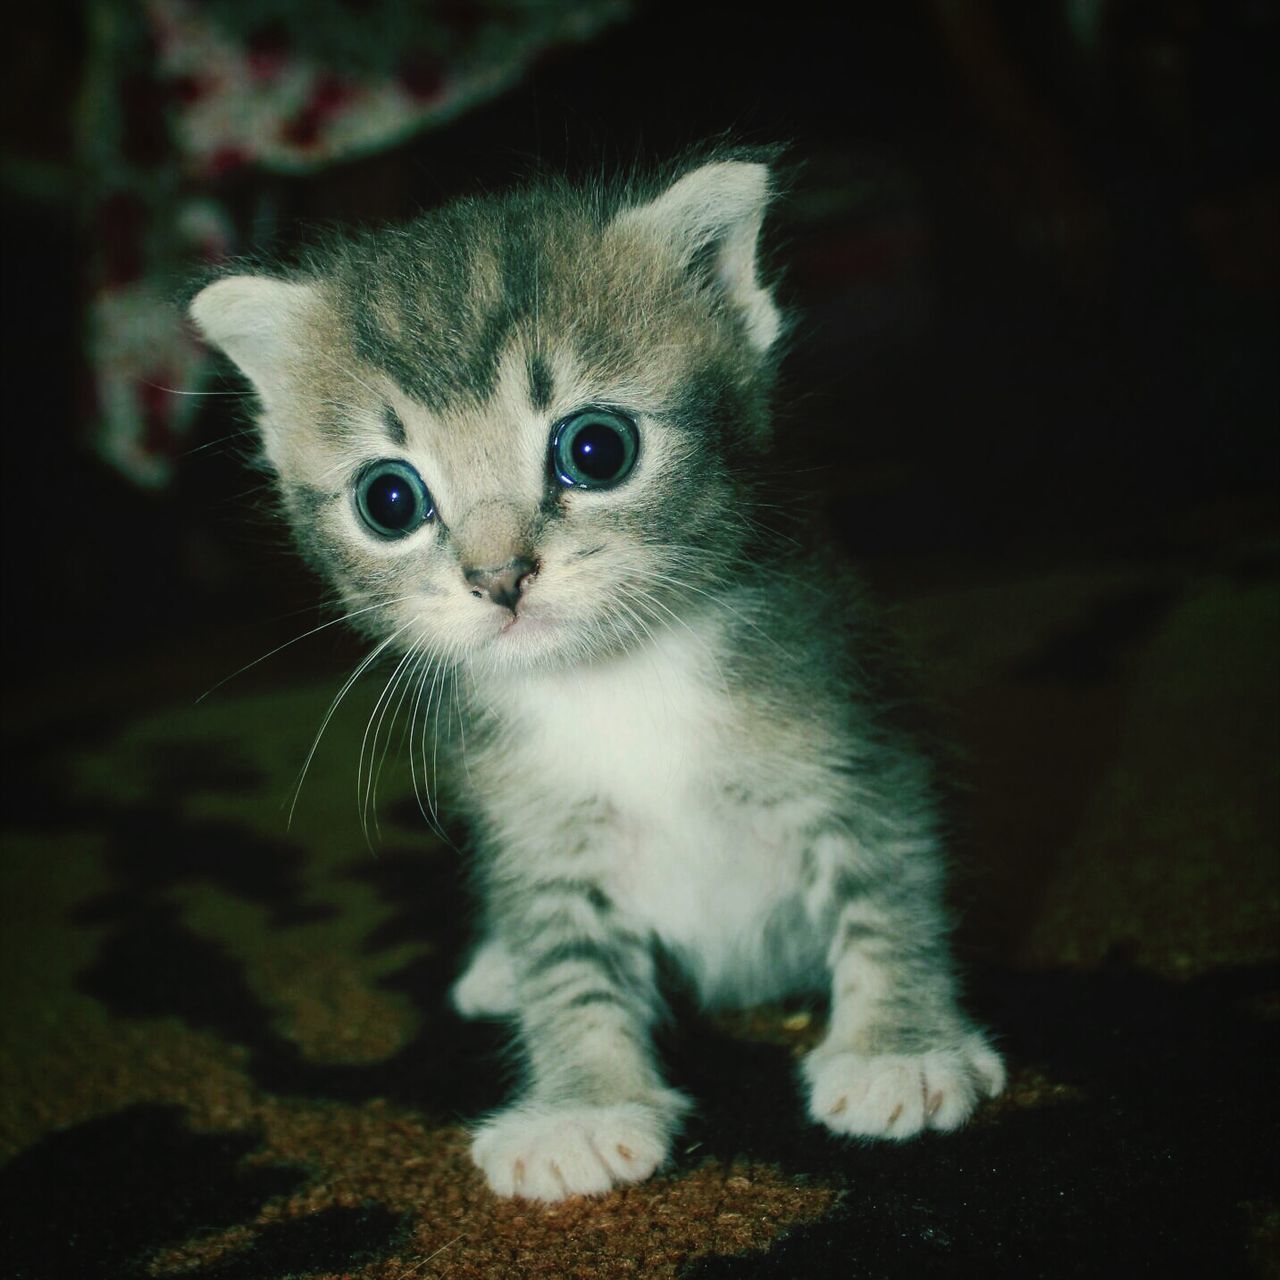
{"x":594,"y":449}
{"x":391,"y":498}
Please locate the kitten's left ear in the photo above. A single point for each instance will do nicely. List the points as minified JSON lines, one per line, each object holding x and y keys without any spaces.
{"x":257,"y":321}
{"x":714,"y":214}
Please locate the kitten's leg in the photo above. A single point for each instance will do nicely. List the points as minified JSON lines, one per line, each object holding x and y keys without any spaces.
{"x":487,"y":988}
{"x":899,"y":1055}
{"x":595,"y":1112}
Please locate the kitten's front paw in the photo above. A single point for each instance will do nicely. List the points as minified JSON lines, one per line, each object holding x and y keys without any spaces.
{"x":896,"y":1096}
{"x":552,"y":1151}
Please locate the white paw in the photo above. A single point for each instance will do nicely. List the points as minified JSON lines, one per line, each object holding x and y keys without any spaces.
{"x":552,"y":1151}
{"x":896,"y":1096}
{"x":487,"y":989}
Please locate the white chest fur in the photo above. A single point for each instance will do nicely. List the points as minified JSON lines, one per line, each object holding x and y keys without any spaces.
{"x":635,"y":732}
{"x":691,"y":852}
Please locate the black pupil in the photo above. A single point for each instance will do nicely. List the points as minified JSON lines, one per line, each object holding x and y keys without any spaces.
{"x":391,"y":501}
{"x":598,"y":451}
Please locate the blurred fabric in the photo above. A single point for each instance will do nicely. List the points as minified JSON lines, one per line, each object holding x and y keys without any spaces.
{"x":180,"y":98}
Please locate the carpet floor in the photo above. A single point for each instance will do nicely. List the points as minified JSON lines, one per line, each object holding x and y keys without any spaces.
{"x":228,"y":1052}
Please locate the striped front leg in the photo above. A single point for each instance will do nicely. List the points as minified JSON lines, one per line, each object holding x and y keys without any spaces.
{"x":899,"y":1055}
{"x":595,"y":1112}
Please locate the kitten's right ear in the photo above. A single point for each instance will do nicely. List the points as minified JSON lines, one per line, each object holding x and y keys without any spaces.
{"x":257,"y":321}
{"x":718,"y":209}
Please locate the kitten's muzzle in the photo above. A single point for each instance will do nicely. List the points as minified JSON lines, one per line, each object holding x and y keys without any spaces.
{"x":504,"y":584}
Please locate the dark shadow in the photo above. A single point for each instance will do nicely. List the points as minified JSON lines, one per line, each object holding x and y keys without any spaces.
{"x":1142,"y":1171}
{"x":100,"y":1198}
{"x":332,"y":1242}
{"x":1090,"y":652}
{"x":154,"y":967}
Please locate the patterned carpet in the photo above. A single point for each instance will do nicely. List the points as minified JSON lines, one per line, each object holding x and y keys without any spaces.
{"x":228,"y":1054}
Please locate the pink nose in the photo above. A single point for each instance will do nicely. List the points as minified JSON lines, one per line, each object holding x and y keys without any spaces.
{"x":503,"y":584}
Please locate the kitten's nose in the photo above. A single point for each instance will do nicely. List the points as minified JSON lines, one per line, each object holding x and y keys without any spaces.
{"x":503,"y":584}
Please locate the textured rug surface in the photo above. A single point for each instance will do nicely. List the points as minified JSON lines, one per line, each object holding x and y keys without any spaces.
{"x":228,"y":1053}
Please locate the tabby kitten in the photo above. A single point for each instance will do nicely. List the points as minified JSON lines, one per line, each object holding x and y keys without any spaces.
{"x":527,"y":439}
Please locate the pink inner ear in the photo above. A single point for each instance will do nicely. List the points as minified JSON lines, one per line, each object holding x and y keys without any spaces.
{"x":721,"y":205}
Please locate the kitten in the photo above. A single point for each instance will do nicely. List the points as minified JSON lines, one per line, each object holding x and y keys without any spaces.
{"x":527,"y":439}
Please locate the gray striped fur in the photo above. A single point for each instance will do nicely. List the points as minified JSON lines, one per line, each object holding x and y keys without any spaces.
{"x":670,"y":744}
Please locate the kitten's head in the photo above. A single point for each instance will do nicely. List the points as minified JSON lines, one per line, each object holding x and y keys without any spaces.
{"x":521,"y":430}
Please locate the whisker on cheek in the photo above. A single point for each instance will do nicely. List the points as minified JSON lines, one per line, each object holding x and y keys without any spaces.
{"x":361,"y":668}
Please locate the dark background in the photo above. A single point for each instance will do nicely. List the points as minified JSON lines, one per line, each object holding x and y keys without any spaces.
{"x":1036,"y":289}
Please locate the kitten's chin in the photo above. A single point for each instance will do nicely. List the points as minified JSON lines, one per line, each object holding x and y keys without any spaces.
{"x":535,"y":642}
{"x":522,"y":642}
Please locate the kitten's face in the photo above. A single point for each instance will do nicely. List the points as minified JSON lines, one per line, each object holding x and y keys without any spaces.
{"x":519,"y":433}
{"x":586,"y":567}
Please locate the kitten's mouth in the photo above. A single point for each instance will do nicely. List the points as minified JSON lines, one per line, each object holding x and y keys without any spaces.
{"x":522,"y":624}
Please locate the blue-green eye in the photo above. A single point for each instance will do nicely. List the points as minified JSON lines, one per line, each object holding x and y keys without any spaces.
{"x":594,"y":449}
{"x":391,"y":498}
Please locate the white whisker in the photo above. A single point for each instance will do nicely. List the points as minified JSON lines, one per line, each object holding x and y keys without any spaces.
{"x":423,"y":794}
{"x":324,"y":626}
{"x":380,"y":708}
{"x":364,"y":664}
{"x":411,"y":682}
